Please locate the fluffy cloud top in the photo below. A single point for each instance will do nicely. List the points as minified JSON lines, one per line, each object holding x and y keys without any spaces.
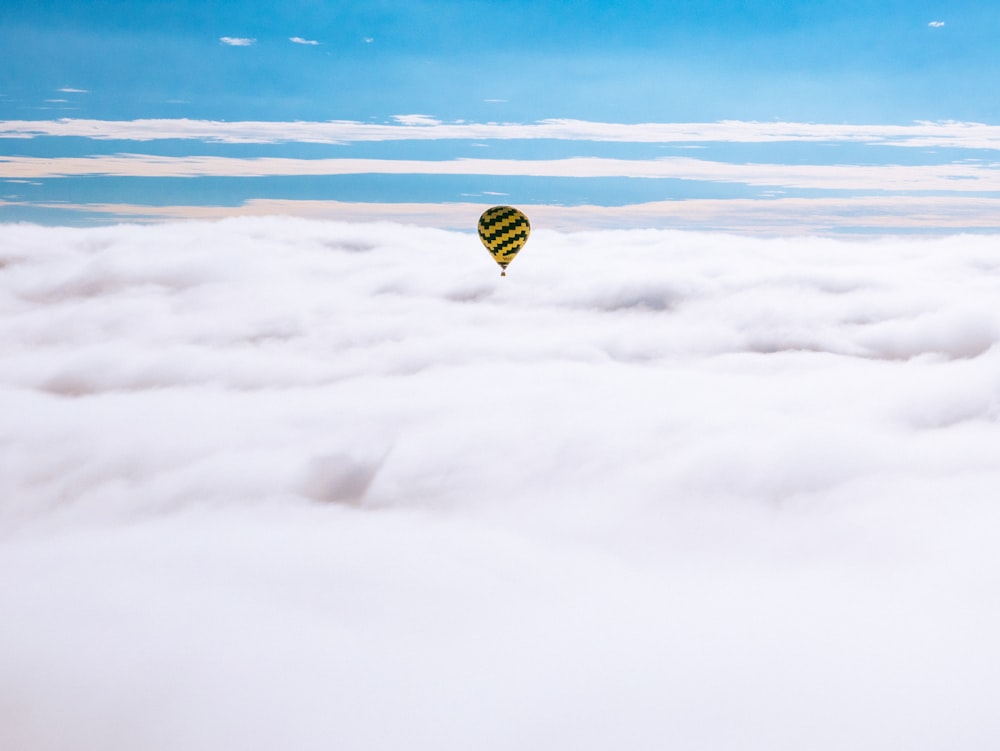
{"x":267,"y":483}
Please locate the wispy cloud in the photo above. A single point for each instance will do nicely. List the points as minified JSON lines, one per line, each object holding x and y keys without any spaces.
{"x":952,"y":178}
{"x":966,"y":180}
{"x":936,"y":24}
{"x":416,"y":120}
{"x":300,"y":40}
{"x":68,"y":90}
{"x":237,"y":41}
{"x":426,"y":128}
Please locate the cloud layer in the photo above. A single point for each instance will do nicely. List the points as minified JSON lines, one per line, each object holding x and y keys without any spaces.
{"x":638,"y":166}
{"x":955,"y":178}
{"x":423,"y":127}
{"x":268,"y":482}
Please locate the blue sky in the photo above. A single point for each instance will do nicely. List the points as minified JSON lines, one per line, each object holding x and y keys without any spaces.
{"x":434,"y":64}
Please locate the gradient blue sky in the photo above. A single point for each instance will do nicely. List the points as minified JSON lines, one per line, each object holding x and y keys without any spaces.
{"x":104,"y":64}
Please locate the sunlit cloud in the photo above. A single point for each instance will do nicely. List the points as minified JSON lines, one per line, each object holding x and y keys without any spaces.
{"x":68,"y":90}
{"x":300,"y":40}
{"x":936,"y":24}
{"x":237,"y":41}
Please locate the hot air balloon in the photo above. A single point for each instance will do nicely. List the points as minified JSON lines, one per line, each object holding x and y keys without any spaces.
{"x":504,"y":230}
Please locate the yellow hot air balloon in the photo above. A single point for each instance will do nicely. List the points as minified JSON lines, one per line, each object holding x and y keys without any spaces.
{"x":504,"y":230}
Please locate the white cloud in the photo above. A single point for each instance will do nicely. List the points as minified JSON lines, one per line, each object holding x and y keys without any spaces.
{"x":681,"y":488}
{"x":416,"y":120}
{"x":237,"y":41}
{"x":300,"y":40}
{"x":68,"y":90}
{"x":936,"y":24}
{"x":921,"y":134}
{"x":954,"y":178}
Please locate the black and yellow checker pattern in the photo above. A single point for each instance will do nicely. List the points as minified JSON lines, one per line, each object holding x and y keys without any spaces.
{"x":504,"y":230}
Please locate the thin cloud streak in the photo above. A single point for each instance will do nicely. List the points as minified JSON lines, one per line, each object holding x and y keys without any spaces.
{"x":417,"y":120}
{"x":922,"y":134}
{"x":958,"y":178}
{"x":300,"y":40}
{"x":237,"y":41}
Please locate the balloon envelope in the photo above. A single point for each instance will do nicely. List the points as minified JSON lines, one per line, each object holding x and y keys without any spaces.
{"x":504,"y":230}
